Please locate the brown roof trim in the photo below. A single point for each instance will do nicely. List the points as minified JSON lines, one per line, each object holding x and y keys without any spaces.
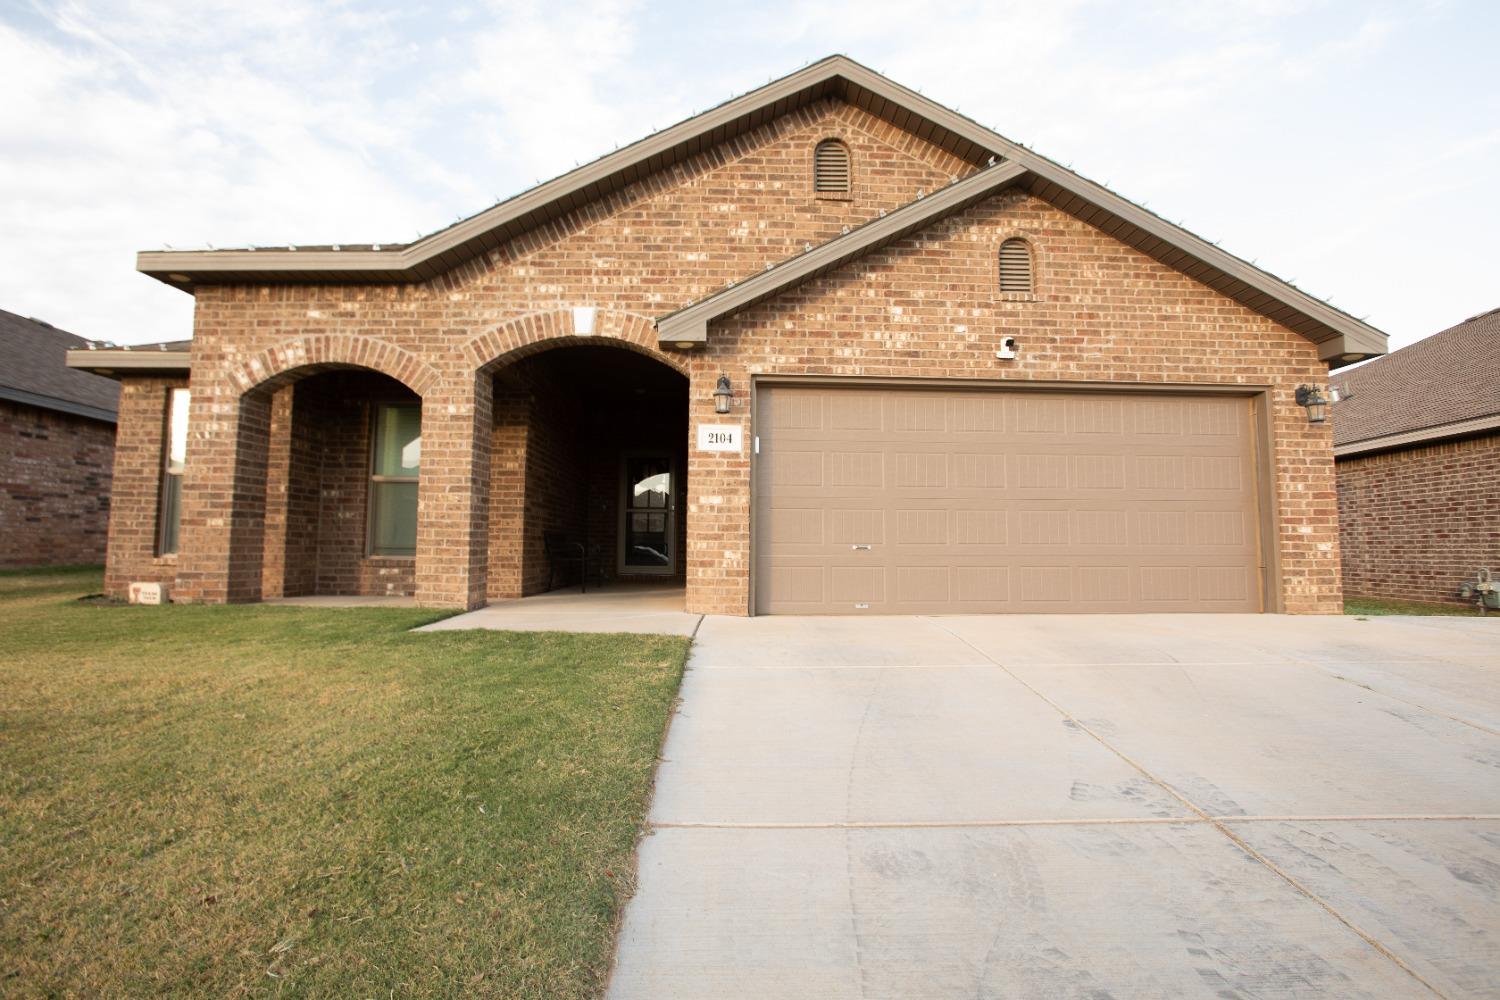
{"x":690,"y":325}
{"x":1426,"y":435}
{"x":113,"y":362}
{"x":1336,"y":332}
{"x":442,"y":250}
{"x":60,"y":405}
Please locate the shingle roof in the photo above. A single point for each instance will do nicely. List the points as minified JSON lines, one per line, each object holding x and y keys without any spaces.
{"x":1444,"y":382}
{"x":1341,"y":337}
{"x":33,"y":370}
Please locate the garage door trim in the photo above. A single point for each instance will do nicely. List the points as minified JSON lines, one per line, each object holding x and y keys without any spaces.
{"x":1263,"y":454}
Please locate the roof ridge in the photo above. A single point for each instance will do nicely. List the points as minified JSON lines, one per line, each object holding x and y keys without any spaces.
{"x":1340,"y":336}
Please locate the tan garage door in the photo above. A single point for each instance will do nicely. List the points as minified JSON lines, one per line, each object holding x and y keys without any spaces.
{"x":920,"y":501}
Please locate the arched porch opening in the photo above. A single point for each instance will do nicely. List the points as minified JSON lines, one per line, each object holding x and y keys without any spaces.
{"x":342,"y":474}
{"x":589,"y":448}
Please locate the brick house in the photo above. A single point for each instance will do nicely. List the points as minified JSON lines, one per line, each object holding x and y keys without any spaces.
{"x":1417,"y":445}
{"x":828,"y":346}
{"x":57,"y":440}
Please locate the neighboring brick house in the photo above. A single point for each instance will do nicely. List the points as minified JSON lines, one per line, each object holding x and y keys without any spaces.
{"x":57,"y":442}
{"x":766,"y":352}
{"x":1417,"y":442}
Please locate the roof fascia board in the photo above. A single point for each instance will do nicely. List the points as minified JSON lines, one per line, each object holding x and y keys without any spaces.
{"x":60,"y":405}
{"x":189,"y":262}
{"x":158,"y":262}
{"x":637,"y":152}
{"x":690,"y":325}
{"x":136,"y":362}
{"x":1426,"y":435}
{"x":1360,"y":336}
{"x":1349,"y":335}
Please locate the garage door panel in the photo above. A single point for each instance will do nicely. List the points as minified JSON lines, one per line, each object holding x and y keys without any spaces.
{"x":1004,"y":501}
{"x":856,"y":526}
{"x":856,"y":585}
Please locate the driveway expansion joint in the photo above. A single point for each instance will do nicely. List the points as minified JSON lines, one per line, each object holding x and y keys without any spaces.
{"x":1219,"y":825}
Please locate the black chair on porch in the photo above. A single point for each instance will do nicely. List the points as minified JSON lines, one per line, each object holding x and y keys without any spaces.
{"x":563,"y":555}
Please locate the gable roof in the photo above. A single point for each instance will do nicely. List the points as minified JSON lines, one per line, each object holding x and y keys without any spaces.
{"x":33,"y":371}
{"x":1443,"y":386}
{"x":689,"y":325}
{"x":1341,"y":337}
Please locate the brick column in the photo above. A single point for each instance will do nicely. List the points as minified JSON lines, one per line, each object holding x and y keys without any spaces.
{"x":135,"y":496}
{"x":453,"y":495}
{"x":278,"y":490}
{"x":718,"y":509}
{"x":507,"y":500}
{"x":222,"y":539}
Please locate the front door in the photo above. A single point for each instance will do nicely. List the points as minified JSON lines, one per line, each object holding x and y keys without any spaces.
{"x":647,"y":537}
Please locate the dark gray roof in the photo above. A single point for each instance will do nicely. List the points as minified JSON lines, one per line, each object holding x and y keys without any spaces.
{"x":1444,"y":385}
{"x":33,"y":370}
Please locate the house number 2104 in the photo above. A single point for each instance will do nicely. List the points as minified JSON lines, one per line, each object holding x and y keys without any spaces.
{"x":719,"y":437}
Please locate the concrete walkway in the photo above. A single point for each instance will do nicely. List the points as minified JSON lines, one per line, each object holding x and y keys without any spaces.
{"x":1076,"y":806}
{"x":640,"y":608}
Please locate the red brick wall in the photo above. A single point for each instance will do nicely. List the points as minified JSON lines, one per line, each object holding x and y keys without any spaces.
{"x":507,"y":493}
{"x":1418,"y":522}
{"x":554,"y":488}
{"x":925,"y":307}
{"x":1103,"y":312}
{"x":55,"y":471}
{"x":136,"y":487}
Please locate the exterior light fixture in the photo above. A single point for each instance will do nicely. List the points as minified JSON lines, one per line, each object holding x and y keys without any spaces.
{"x":1310,"y":397}
{"x":685,"y":345}
{"x":722,"y":395}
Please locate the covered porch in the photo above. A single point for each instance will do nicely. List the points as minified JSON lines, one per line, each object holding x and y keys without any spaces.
{"x":586,"y":481}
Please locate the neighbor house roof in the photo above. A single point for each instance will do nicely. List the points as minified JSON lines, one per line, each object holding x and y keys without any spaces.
{"x":33,"y":371}
{"x":1444,"y":386}
{"x":1341,"y":338}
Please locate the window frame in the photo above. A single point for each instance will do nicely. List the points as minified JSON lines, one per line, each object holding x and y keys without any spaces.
{"x":373,"y":479}
{"x":169,"y":500}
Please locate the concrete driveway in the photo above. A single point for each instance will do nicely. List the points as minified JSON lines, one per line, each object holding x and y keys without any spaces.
{"x":1076,"y":806}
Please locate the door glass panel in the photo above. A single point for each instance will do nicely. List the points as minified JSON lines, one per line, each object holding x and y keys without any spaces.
{"x":648,"y":494}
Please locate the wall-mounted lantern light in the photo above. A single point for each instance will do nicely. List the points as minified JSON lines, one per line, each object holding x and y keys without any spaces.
{"x":722,"y":395}
{"x":1311,"y":397}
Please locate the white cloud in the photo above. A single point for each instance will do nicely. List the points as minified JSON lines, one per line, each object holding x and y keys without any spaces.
{"x":1286,"y":129}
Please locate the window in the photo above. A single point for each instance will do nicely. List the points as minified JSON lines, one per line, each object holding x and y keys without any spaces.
{"x":174,"y":452}
{"x":397,"y":458}
{"x":1015,"y":266}
{"x":831,"y":168}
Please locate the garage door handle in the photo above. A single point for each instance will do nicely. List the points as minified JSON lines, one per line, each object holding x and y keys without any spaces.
{"x":856,"y":548}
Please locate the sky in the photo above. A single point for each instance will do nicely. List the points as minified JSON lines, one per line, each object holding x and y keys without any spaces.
{"x":1351,"y":147}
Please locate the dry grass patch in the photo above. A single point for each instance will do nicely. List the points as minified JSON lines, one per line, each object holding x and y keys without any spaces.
{"x":202,"y":801}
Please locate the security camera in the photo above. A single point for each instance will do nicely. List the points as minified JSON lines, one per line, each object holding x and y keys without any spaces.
{"x":1007,"y":350}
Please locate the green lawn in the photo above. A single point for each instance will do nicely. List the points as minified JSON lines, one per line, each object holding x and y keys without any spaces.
{"x":1370,"y":606}
{"x":210,"y":801}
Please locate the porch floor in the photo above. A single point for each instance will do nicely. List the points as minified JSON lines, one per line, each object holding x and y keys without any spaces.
{"x":640,"y":608}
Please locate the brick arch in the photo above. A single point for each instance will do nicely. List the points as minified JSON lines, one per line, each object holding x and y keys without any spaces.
{"x":289,"y":360}
{"x":540,"y":331}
